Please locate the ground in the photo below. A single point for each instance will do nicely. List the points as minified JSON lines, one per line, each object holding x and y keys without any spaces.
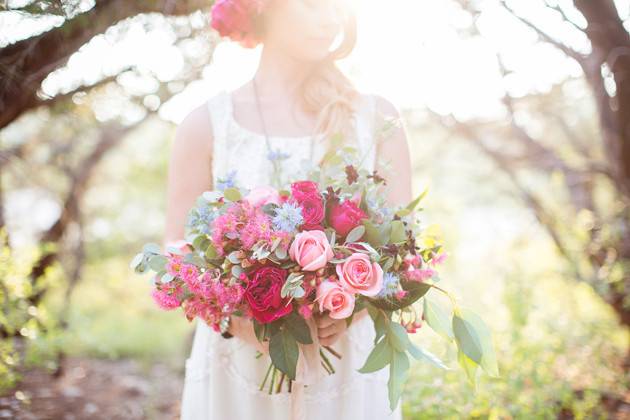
{"x":96,"y":389}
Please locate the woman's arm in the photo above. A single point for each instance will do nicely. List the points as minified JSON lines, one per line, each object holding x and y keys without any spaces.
{"x":189,"y":175}
{"x":394,"y":148}
{"x":189,"y":170}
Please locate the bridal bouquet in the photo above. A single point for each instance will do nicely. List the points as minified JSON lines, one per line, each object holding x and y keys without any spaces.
{"x":324,"y":243}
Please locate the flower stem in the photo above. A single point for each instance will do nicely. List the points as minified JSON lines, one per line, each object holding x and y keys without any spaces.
{"x":326,"y":361}
{"x":262,"y":385}
{"x":273,"y":379}
{"x":279,"y":387}
{"x":334,"y":353}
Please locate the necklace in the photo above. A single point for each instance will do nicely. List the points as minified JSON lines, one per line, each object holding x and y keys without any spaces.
{"x":275,"y":156}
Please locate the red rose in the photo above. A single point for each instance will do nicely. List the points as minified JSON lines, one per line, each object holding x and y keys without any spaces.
{"x":345,"y":217}
{"x":307,"y":196}
{"x":263,"y":294}
{"x":313,"y":213}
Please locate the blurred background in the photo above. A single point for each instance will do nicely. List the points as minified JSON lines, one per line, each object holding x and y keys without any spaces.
{"x":518,"y":115}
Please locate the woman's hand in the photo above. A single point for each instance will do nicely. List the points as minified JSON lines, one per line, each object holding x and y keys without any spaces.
{"x":243,"y":328}
{"x":329,"y":329}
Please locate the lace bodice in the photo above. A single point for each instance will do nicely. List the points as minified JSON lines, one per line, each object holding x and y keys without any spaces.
{"x":239,"y":154}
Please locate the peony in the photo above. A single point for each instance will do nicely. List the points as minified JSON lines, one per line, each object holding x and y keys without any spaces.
{"x":262,"y":195}
{"x":358,"y":274}
{"x":332,"y":296}
{"x":263,"y":294}
{"x":311,"y":250}
{"x":345,"y":217}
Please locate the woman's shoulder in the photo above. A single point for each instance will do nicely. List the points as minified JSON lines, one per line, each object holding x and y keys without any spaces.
{"x":382,"y":104}
{"x":194,"y":132}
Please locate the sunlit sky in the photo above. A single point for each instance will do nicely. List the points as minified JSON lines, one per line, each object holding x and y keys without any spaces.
{"x":410,"y":51}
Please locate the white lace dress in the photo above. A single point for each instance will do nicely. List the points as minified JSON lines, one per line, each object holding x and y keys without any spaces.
{"x":223,"y":376}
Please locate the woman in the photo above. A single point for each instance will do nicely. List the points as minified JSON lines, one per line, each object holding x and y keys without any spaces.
{"x":239,"y":137}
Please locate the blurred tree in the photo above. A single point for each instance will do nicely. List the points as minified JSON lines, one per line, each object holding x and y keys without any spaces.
{"x":591,"y":228}
{"x":68,"y":147}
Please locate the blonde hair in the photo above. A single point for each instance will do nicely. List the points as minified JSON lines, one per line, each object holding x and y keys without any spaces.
{"x":329,"y":93}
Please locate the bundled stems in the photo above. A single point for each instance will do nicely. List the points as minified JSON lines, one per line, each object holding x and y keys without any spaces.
{"x":332,"y":351}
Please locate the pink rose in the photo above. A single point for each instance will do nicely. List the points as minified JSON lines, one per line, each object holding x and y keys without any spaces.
{"x":263,"y":195}
{"x":358,"y":274}
{"x":335,"y":298}
{"x":345,"y":217}
{"x":311,"y":250}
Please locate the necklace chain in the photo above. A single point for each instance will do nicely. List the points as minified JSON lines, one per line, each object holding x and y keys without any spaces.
{"x":275,"y":160}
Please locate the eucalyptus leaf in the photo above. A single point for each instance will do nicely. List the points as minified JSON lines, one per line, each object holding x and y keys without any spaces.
{"x":157,"y":262}
{"x":232,"y":194}
{"x":355,"y":234}
{"x":151,"y":248}
{"x":420,"y":353}
{"x":398,"y":337}
{"x":398,"y":371}
{"x":437,"y":318}
{"x":467,"y":338}
{"x":281,"y":253}
{"x":380,"y":356}
{"x":233,"y":257}
{"x":469,"y":322}
{"x":412,"y":205}
{"x":136,"y":261}
{"x":469,"y":366}
{"x":166,"y":278}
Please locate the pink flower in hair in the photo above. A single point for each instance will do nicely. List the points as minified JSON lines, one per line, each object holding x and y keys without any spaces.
{"x":236,"y":19}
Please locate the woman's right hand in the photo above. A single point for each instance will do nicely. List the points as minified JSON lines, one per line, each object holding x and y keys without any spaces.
{"x":243,"y":328}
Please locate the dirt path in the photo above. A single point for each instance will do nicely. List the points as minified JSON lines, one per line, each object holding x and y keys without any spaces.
{"x":96,"y":389}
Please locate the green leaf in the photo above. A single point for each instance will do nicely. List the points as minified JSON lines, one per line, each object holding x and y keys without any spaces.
{"x":200,"y":242}
{"x":398,"y":370}
{"x":412,"y":205}
{"x":284,"y":352}
{"x":374,"y":235}
{"x":151,"y":248}
{"x":232,"y":194}
{"x":437,"y":318}
{"x":397,"y":233}
{"x":476,"y":339}
{"x":469,"y":366}
{"x":259,"y":330}
{"x":355,"y":234}
{"x":419,"y":353}
{"x":398,"y":337}
{"x":298,"y":328}
{"x":211,"y":252}
{"x":137,"y":260}
{"x":380,"y":356}
{"x":415,"y":291}
{"x":157,"y":262}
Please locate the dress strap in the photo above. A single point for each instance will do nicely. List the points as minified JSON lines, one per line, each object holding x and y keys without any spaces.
{"x":218,"y":109}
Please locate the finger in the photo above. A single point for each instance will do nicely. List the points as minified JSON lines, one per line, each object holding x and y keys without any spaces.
{"x":330,"y":340}
{"x":324,"y":321}
{"x":330,"y":330}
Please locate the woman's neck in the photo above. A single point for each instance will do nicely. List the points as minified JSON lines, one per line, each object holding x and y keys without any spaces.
{"x":279,"y":74}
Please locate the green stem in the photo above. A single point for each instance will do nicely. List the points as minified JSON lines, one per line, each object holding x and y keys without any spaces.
{"x":273,"y":379}
{"x":262,"y":385}
{"x":326,"y":361}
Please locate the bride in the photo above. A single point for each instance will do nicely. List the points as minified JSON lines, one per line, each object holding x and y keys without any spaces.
{"x":280,"y":122}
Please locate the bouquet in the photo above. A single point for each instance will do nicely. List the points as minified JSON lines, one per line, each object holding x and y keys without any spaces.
{"x":326,"y":243}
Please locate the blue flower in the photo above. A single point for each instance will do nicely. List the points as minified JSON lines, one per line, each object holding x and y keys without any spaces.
{"x":201,"y":218}
{"x":390,"y":285}
{"x":277,"y":155}
{"x":288,"y":217}
{"x":227,"y":181}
